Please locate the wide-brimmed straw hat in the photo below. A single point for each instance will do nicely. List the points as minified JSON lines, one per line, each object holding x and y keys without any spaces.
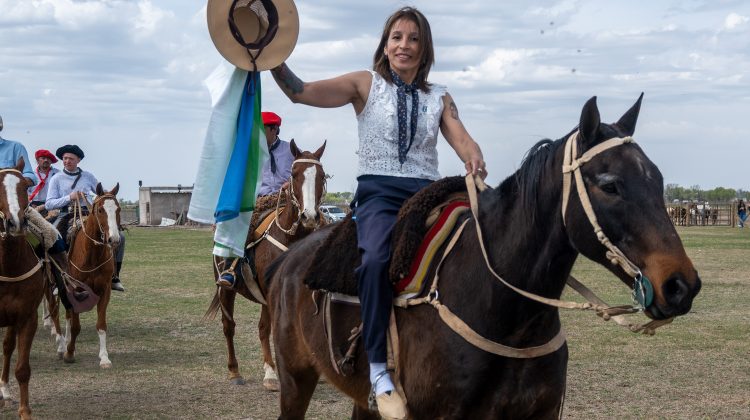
{"x":253,"y":34}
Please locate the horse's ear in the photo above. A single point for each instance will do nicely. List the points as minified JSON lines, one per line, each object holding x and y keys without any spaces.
{"x":20,"y":164}
{"x":295,"y":150}
{"x":99,"y":189}
{"x":318,"y":153}
{"x":114,"y":190}
{"x":628,"y":120}
{"x":588,"y":127}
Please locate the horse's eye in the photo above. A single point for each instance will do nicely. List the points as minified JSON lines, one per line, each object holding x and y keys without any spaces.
{"x":609,"y":188}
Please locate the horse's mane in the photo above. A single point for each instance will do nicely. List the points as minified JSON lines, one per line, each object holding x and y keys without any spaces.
{"x":524,"y":184}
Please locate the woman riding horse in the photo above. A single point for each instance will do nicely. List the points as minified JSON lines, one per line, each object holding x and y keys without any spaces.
{"x":593,"y":192}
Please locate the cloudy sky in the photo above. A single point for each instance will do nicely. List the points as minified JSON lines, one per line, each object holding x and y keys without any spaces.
{"x":124,"y":80}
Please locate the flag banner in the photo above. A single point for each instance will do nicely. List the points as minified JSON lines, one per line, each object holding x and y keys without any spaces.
{"x":234,"y":152}
{"x":239,"y":186}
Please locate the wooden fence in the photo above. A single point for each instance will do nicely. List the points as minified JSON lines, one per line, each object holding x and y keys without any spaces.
{"x":707,"y":214}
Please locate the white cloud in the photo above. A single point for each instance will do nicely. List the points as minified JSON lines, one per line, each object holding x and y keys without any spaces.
{"x":126,"y":76}
{"x":734,"y":20}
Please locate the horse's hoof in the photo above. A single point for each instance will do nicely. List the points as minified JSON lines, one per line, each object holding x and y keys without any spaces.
{"x":271,"y":384}
{"x":68,"y":359}
{"x":59,"y":356}
{"x":237,"y":381}
{"x":107,"y":365}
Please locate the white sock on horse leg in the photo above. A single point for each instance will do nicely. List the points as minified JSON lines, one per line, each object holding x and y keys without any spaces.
{"x":380,"y":379}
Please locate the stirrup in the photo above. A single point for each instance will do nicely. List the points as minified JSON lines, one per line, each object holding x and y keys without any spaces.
{"x":226,"y":279}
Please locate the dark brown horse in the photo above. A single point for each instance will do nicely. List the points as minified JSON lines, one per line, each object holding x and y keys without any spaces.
{"x":91,"y":261}
{"x":21,"y":283}
{"x":533,"y":247}
{"x":296,"y":220}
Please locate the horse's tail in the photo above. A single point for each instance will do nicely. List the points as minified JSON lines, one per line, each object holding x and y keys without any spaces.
{"x":214,"y":307}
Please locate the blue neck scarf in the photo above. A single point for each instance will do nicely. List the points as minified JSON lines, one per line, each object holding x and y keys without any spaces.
{"x":270,"y":153}
{"x":401,"y":90}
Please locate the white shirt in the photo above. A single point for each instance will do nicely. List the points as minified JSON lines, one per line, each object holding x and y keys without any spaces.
{"x":378,"y":133}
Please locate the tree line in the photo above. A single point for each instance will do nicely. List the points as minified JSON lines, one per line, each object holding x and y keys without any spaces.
{"x":695,"y":193}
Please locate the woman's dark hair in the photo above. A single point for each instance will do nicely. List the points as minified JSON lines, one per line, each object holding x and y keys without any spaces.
{"x":427,"y":53}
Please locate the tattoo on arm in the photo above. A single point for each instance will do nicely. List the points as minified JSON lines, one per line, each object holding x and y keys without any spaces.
{"x":454,"y":110}
{"x":288,"y":80}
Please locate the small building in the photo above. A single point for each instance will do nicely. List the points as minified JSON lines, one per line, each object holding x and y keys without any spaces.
{"x":158,"y":203}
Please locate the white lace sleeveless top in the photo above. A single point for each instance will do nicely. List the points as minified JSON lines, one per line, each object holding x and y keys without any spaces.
{"x":378,"y":133}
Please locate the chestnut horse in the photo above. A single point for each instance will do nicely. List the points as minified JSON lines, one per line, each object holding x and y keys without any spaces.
{"x":21,"y":283}
{"x":534,"y":227}
{"x":295,"y":221}
{"x":91,"y":261}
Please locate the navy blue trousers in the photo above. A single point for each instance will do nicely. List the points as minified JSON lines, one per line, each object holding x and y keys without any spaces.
{"x":376,"y":205}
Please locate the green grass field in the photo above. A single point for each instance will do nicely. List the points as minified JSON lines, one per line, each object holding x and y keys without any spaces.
{"x":169,"y":363}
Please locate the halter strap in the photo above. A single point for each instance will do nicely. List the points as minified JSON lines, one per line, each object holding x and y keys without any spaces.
{"x":572,"y":167}
{"x":12,"y":170}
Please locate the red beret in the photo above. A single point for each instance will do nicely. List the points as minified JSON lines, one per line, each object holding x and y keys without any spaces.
{"x":270,"y":118}
{"x":45,"y":153}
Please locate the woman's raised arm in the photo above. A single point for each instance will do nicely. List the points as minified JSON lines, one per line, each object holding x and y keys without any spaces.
{"x":351,"y":88}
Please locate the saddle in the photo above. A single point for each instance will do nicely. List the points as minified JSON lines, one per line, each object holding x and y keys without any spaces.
{"x":334,"y":271}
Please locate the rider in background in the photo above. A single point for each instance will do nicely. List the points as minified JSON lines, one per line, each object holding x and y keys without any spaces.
{"x":73,"y":183}
{"x":276,"y":174}
{"x":44,"y":171}
{"x":741,"y":212}
{"x":10,"y":153}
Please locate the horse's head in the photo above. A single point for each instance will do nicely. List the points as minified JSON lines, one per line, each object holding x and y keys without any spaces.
{"x":307,"y":184}
{"x":620,"y":189}
{"x":106,"y":210}
{"x":13,"y":199}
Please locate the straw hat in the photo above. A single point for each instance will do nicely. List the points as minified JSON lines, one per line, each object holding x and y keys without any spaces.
{"x":268,"y":29}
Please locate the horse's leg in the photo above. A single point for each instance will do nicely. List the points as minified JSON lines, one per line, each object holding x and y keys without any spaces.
{"x":270,"y":380}
{"x":297,"y":386}
{"x":46,"y":316}
{"x":226,"y":297}
{"x":23,"y":369}
{"x":51,"y":313}
{"x":72,"y":329}
{"x":9,"y":344}
{"x":101,"y":329}
{"x":297,"y":376}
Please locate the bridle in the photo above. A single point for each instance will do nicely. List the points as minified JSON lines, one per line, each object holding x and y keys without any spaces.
{"x":293,"y":199}
{"x":571,"y":166}
{"x":3,"y":217}
{"x":643,"y":291}
{"x":4,"y":234}
{"x":78,"y":218}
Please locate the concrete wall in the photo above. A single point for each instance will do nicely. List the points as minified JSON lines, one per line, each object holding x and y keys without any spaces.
{"x":158,"y":202}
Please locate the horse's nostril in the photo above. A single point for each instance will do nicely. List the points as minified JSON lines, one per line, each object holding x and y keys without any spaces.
{"x":675,"y":290}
